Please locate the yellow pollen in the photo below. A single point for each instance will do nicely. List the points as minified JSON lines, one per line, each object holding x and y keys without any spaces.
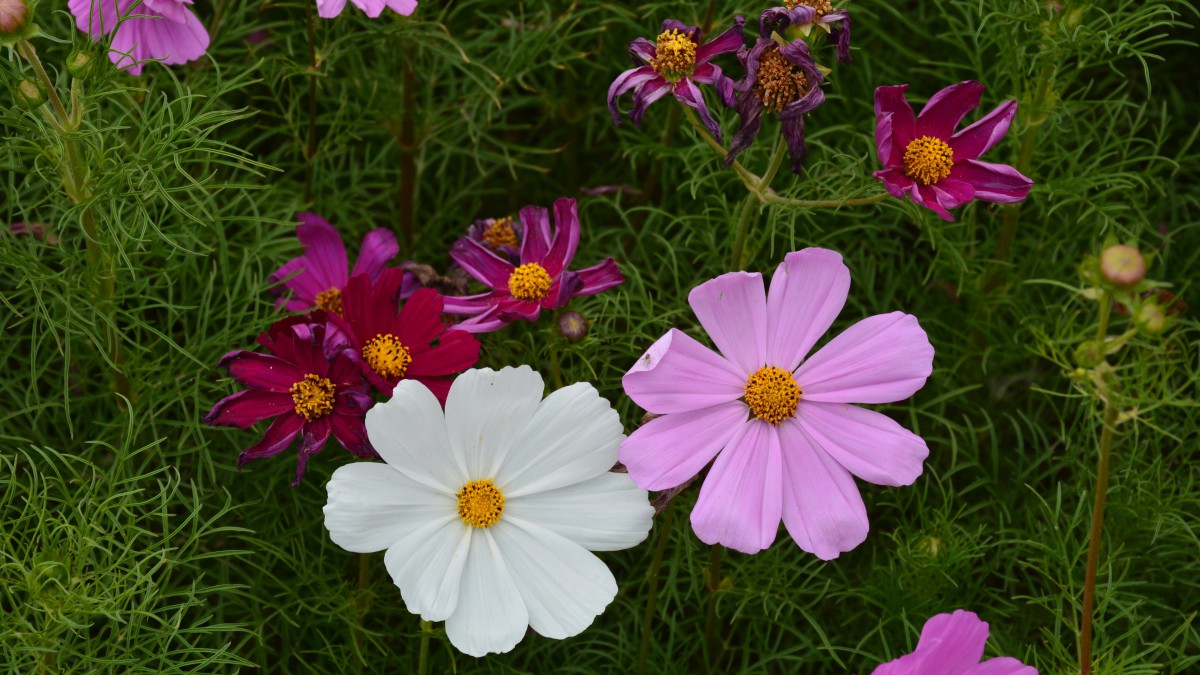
{"x":313,"y":396}
{"x":500,"y":233}
{"x":676,"y":57}
{"x":822,"y":7}
{"x":480,"y":503}
{"x":778,"y":82}
{"x":530,"y":281}
{"x":928,"y":159}
{"x":386,"y":356}
{"x":772,"y":394}
{"x":330,"y":301}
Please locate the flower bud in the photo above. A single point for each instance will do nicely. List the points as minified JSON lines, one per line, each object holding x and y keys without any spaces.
{"x":573,"y":326}
{"x":14,"y":16}
{"x":1151,"y":319}
{"x":1122,"y":265}
{"x":29,"y":94}
{"x":1089,"y":354}
{"x":80,"y":64}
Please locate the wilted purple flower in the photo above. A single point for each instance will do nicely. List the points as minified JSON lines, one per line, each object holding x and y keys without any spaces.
{"x":798,"y":17}
{"x":501,"y":235}
{"x":675,"y":63}
{"x":782,"y":79}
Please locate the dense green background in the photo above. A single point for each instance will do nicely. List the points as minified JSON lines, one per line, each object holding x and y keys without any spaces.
{"x":129,"y":542}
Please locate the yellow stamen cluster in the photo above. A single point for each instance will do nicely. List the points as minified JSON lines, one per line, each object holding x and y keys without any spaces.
{"x":480,"y":503}
{"x":530,"y":281}
{"x":313,"y":396}
{"x":500,"y":233}
{"x":387,"y":356}
{"x":330,"y":301}
{"x":928,"y":159}
{"x":778,"y":82}
{"x":822,"y":7}
{"x":676,"y":57}
{"x":772,"y":394}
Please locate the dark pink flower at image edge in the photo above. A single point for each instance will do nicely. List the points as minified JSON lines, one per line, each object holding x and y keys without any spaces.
{"x":952,"y":644}
{"x":162,"y":30}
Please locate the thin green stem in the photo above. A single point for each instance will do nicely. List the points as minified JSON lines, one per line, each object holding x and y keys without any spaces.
{"x":26,"y":50}
{"x":711,"y":640}
{"x":749,"y":212}
{"x":660,"y":547}
{"x":423,"y":651}
{"x":1102,"y":327}
{"x":363,"y":603}
{"x":1093,"y":558}
{"x":750,"y":179}
{"x":776,"y":161}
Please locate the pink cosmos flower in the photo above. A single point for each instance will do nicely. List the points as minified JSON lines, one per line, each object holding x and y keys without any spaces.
{"x":311,"y":383}
{"x":317,"y":278}
{"x":786,"y":439}
{"x":935,"y":166}
{"x":952,"y":644}
{"x":540,"y":281}
{"x":328,"y":9}
{"x":163,"y":30}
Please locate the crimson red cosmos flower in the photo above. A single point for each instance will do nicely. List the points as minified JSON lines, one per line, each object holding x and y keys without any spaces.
{"x":539,"y":281}
{"x":412,"y":343}
{"x":310,"y":382}
{"x":936,"y":167}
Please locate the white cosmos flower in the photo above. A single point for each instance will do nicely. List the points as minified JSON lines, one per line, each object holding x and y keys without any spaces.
{"x":488,"y":511}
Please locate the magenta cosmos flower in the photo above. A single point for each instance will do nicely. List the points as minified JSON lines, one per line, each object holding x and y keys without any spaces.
{"x":162,"y":30}
{"x":328,"y":9}
{"x":317,"y":278}
{"x":797,"y":18}
{"x":786,"y":438}
{"x":782,"y":79}
{"x":310,"y":382}
{"x":540,"y":281}
{"x":952,"y":644}
{"x":412,"y":343}
{"x":936,"y":167}
{"x":675,"y":63}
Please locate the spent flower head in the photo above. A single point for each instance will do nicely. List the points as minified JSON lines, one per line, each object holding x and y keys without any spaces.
{"x":797,"y":18}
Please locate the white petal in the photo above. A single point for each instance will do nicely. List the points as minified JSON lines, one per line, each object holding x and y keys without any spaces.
{"x":564,"y":586}
{"x":428,"y":564}
{"x":605,"y":513}
{"x":490,"y":617}
{"x":573,"y":436}
{"x":409,"y":433}
{"x":372,"y":506}
{"x":485,"y":410}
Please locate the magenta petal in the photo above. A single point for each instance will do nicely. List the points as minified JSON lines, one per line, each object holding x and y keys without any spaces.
{"x":535,"y":220}
{"x":950,"y":643}
{"x":246,"y":408}
{"x":733,"y":310}
{"x":687,"y":93}
{"x":929,"y":197}
{"x":973,"y":141}
{"x":480,"y":262}
{"x":324,"y":249}
{"x":946,"y":109}
{"x":741,"y":501}
{"x":895,"y":181}
{"x":643,"y":49}
{"x":261,"y":371}
{"x":566,"y":237}
{"x":379,"y":246}
{"x":881,"y":359}
{"x":472,"y":305}
{"x":727,"y":42}
{"x":482,"y":323}
{"x":312,"y":440}
{"x":627,"y":80}
{"x":678,"y":374}
{"x":277,"y":438}
{"x":952,"y":192}
{"x":599,"y":278}
{"x":822,"y":507}
{"x":807,"y":293}
{"x":1001,"y":666}
{"x":895,"y":126}
{"x":668,"y":450}
{"x":992,"y":182}
{"x":868,"y":444}
{"x":642,"y":98}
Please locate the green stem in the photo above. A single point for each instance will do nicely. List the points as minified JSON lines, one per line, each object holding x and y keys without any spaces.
{"x":711,"y":640}
{"x":423,"y":653}
{"x":776,"y":161}
{"x":660,"y":548}
{"x":26,"y":50}
{"x":749,"y":212}
{"x":362,"y":602}
{"x":650,"y":185}
{"x":751,"y":180}
{"x":1093,"y":559}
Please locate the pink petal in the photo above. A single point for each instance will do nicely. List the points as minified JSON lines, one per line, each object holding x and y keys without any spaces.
{"x":726,"y":42}
{"x":741,"y":501}
{"x":535,"y":221}
{"x":895,"y":126}
{"x":807,"y":293}
{"x":1001,"y":666}
{"x":950,"y":644}
{"x":868,"y":444}
{"x":992,"y":182}
{"x":668,"y":450}
{"x":946,"y":109}
{"x":881,"y":359}
{"x":687,"y":93}
{"x":324,"y":250}
{"x":277,"y":438}
{"x":328,"y":9}
{"x":822,"y":508}
{"x":249,"y":407}
{"x":566,"y":237}
{"x":480,"y":262}
{"x":261,"y":371}
{"x":733,"y":310}
{"x":897,"y":183}
{"x":171,"y":42}
{"x":378,"y":247}
{"x":930,"y":198}
{"x":94,"y":17}
{"x":598,"y":278}
{"x":678,"y":374}
{"x":973,"y":141}
{"x":630,"y":79}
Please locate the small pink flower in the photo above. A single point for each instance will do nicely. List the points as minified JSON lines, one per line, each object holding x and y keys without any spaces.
{"x":317,"y":278}
{"x":163,"y":30}
{"x":925,"y":159}
{"x":952,"y":644}
{"x":328,"y":9}
{"x":786,"y":440}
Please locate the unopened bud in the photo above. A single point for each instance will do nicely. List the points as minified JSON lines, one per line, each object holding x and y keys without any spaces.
{"x":80,"y":64}
{"x":1122,"y":265}
{"x":30,"y":94}
{"x":1089,"y":354}
{"x":1151,"y":318}
{"x":14,"y":16}
{"x":573,"y":326}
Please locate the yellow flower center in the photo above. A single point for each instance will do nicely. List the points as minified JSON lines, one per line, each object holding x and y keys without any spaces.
{"x":778,"y":82}
{"x":676,"y":57}
{"x":480,"y":503}
{"x":822,"y":7}
{"x":313,"y":396}
{"x":772,"y":394}
{"x":530,"y":281}
{"x":330,"y":301}
{"x":386,"y":356}
{"x":500,"y":234}
{"x":928,"y":159}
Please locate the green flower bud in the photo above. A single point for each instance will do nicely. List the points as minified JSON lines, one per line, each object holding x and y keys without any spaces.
{"x":29,"y":93}
{"x":1089,"y":354}
{"x":1151,"y":319}
{"x":81,"y":64}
